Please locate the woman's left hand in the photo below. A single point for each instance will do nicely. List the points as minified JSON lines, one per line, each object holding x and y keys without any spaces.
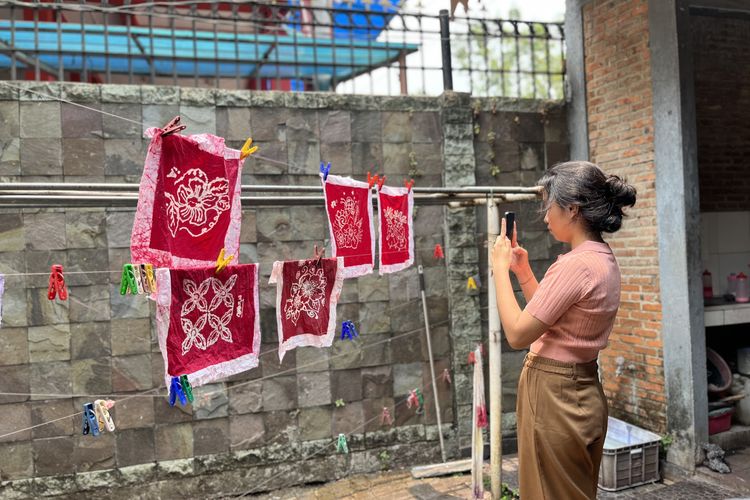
{"x":502,"y":251}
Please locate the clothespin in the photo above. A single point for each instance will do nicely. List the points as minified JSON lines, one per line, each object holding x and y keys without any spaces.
{"x":471,"y":284}
{"x":90,"y":424}
{"x":318,"y":253}
{"x":148,"y":273}
{"x":144,"y":280}
{"x":409,"y":184}
{"x":187,"y":388}
{"x":385,"y":417}
{"x":175,"y":391}
{"x":446,"y":376}
{"x":348,"y":330}
{"x":221,"y":262}
{"x":247,"y":148}
{"x":57,"y":283}
{"x":324,"y":169}
{"x":472,"y":357}
{"x":371,"y":180}
{"x":127,"y":281}
{"x":138,"y":279}
{"x":381,"y":181}
{"x":416,"y":399}
{"x":341,"y":446}
{"x":172,"y":127}
{"x":438,"y":254}
{"x":101,"y":408}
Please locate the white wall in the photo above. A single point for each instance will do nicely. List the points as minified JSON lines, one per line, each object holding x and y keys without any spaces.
{"x":725,"y":245}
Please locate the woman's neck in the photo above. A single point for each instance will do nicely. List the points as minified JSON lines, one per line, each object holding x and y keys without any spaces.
{"x":580,"y":238}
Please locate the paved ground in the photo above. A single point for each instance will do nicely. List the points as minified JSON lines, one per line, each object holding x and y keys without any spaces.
{"x":400,"y":485}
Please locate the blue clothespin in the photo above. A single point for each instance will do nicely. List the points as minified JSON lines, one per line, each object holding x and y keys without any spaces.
{"x":175,"y":391}
{"x":324,"y":169}
{"x":90,"y":424}
{"x":348,"y":330}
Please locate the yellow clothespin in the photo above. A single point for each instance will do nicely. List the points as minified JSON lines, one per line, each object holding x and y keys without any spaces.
{"x":247,"y":150}
{"x":148,"y":276}
{"x":471,"y":284}
{"x":221,"y":262}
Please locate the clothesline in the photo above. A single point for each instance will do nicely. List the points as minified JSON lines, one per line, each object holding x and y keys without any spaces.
{"x":227,"y":389}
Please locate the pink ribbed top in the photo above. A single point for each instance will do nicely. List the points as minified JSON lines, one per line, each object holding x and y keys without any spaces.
{"x":578,"y":297}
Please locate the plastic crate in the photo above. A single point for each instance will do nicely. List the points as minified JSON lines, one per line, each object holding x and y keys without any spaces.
{"x":631,"y":456}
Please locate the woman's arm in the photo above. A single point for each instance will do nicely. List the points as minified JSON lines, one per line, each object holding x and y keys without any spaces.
{"x":528,"y":284}
{"x":520,"y":328}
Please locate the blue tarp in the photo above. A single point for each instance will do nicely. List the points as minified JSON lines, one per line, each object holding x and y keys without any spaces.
{"x":194,"y":53}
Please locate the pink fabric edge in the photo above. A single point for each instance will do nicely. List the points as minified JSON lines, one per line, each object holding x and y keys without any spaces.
{"x":307,"y":339}
{"x":210,"y":373}
{"x":362,"y":269}
{"x":143,"y":218}
{"x":392,"y":268}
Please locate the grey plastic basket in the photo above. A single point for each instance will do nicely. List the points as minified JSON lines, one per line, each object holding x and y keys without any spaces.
{"x":631,"y":456}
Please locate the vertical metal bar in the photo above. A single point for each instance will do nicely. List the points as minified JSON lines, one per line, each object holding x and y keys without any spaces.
{"x":129,"y":32}
{"x":236,"y":47}
{"x":469,"y":40}
{"x":562,"y":59}
{"x":173,"y":36}
{"x":217,"y":64}
{"x":333,"y":50}
{"x":532,"y":56}
{"x":258,"y":62}
{"x":13,"y":70}
{"x":296,"y":58}
{"x":502,"y":58}
{"x":193,"y":15}
{"x":351,"y":50}
{"x":60,"y":57}
{"x":402,"y":73}
{"x":388,"y":67}
{"x":277,"y":79}
{"x":486,"y":41}
{"x":370,"y":28}
{"x":496,"y":383}
{"x":421,"y":52}
{"x":152,"y":61}
{"x":84,"y":72}
{"x":37,"y":74}
{"x":547,"y":61}
{"x":105,"y":15}
{"x":518,"y":57}
{"x":445,"y":43}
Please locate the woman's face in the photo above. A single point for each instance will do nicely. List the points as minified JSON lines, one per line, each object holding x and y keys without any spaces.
{"x":559,"y":222}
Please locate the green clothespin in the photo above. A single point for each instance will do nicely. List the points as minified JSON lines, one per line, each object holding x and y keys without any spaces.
{"x":128,"y":280}
{"x":341,"y":446}
{"x":187,"y":388}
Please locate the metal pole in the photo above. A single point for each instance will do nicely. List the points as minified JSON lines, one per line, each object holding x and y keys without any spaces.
{"x":445,"y":42}
{"x":432,"y":363}
{"x":496,"y":383}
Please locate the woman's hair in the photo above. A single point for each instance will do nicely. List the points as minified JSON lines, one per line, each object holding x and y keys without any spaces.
{"x":600,"y":197}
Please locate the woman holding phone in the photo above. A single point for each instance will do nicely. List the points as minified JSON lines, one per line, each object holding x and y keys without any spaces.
{"x":561,"y":408}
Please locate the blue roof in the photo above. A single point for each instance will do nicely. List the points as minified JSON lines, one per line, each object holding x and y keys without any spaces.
{"x":175,"y":51}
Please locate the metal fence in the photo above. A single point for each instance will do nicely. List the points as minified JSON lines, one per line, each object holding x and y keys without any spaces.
{"x":358,"y":47}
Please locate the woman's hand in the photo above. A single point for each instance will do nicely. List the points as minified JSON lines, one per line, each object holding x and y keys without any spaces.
{"x":502,"y":252}
{"x":519,"y":264}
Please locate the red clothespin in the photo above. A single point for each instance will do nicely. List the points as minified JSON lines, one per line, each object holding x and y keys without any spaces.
{"x":172,"y":127}
{"x":57,"y":283}
{"x":381,"y":181}
{"x":371,"y":180}
{"x":318,"y":253}
{"x":385,"y":417}
{"x":438,"y":252}
{"x":472,"y":358}
{"x":408,"y":184}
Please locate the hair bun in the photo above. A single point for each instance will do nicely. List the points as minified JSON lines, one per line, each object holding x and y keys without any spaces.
{"x":620,"y":192}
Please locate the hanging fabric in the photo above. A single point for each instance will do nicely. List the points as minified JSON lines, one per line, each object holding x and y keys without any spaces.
{"x":479,"y":421}
{"x":396,"y":242}
{"x":188,"y":202}
{"x":208,"y":322}
{"x":307,"y":292}
{"x":349,"y":209}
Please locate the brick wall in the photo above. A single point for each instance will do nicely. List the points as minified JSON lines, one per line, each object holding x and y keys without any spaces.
{"x":621,"y":139}
{"x":722,"y":104}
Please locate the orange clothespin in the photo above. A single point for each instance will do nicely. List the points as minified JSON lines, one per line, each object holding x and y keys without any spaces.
{"x":409,"y":184}
{"x":318,"y":253}
{"x":381,"y":181}
{"x":222,"y":262}
{"x":57,"y":283}
{"x":371,"y":180}
{"x":247,"y":148}
{"x":172,"y":127}
{"x":438,"y":254}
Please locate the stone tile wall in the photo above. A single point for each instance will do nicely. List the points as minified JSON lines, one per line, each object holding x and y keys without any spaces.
{"x":267,"y":421}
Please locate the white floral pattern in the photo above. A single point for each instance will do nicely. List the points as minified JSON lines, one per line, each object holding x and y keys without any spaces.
{"x":347,"y":223}
{"x":194,"y":335}
{"x":398,"y":229}
{"x":198,"y":203}
{"x":308,"y":293}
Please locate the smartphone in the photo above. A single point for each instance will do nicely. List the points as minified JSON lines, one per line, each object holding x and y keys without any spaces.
{"x":510,"y":219}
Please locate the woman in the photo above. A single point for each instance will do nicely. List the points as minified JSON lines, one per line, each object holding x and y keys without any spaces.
{"x":561,"y":408}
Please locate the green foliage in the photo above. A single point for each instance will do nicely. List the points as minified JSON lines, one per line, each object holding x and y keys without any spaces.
{"x":666,"y":442}
{"x":340,"y":403}
{"x":506,"y":493}
{"x":385,"y":460}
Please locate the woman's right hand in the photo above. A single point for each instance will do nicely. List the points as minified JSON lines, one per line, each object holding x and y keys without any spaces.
{"x":519,"y":263}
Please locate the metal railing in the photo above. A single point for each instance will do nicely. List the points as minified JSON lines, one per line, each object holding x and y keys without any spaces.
{"x":283,"y":45}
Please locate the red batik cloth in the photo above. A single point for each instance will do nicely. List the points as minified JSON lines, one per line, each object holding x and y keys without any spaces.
{"x":307,"y":292}
{"x":349,"y":209}
{"x":395,"y":217}
{"x":188,"y":202}
{"x":208,"y":323}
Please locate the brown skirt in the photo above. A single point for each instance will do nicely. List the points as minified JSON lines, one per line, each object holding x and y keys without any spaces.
{"x":562,"y":424}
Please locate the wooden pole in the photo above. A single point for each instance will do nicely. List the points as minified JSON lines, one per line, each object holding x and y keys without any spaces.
{"x":496,"y":455}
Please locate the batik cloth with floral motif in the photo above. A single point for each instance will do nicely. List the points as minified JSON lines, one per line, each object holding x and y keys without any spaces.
{"x":396,"y":242}
{"x":188,"y":202}
{"x":349,"y":209}
{"x":208,"y":322}
{"x":307,"y":292}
